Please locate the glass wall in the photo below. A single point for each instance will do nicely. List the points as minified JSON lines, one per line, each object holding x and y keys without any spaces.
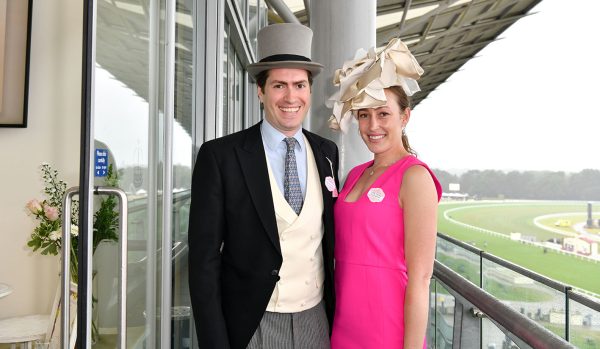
{"x":182,"y":134}
{"x":242,"y":8}
{"x":224,"y":117}
{"x":214,"y":96}
{"x":570,"y":314}
{"x":441,"y":317}
{"x":539,"y":302}
{"x":253,"y":22}
{"x":584,"y":325}
{"x":459,"y":259}
{"x":128,"y":113}
{"x":240,"y":105}
{"x":257,"y":18}
{"x":234,"y":80}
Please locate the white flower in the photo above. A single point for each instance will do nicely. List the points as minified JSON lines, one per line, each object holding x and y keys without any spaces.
{"x":55,"y":235}
{"x":74,"y":230}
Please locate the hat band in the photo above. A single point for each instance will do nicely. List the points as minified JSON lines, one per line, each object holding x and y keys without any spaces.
{"x":282,"y":58}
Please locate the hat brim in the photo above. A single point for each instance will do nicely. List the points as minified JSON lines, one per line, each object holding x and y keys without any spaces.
{"x":255,"y":68}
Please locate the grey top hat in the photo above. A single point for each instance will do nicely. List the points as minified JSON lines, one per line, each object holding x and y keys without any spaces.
{"x":285,"y":45}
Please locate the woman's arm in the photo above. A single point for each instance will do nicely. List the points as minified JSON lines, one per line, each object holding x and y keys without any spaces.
{"x":419,"y":199}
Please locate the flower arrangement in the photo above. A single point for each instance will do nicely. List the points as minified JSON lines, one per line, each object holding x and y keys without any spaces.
{"x":47,"y":236}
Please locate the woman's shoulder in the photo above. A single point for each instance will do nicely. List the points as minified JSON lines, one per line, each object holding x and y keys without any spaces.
{"x":409,"y":161}
{"x":419,"y":175}
{"x":414,"y":160}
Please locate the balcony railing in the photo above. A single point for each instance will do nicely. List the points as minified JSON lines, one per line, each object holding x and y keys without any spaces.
{"x":541,"y":310}
{"x":482,"y":301}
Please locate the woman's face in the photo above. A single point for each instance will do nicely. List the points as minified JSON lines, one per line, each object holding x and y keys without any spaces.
{"x":381,"y":128}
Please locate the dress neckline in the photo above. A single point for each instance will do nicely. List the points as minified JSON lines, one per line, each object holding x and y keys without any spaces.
{"x":377,"y":180}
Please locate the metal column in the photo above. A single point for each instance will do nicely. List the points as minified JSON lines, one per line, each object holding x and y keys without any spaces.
{"x":340,"y":28}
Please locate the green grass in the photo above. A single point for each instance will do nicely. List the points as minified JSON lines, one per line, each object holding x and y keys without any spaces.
{"x":575,"y":219}
{"x":580,"y":336}
{"x":549,"y":222}
{"x":516,"y":217}
{"x":519,"y":218}
{"x":507,"y":292}
{"x":501,"y":290}
{"x":461,"y":266}
{"x":584,"y":337}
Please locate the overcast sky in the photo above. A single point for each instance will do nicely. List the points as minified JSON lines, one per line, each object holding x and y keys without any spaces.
{"x":527,"y":102}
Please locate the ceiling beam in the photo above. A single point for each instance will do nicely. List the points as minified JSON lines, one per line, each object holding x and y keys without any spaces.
{"x":454,"y":31}
{"x":425,"y":17}
{"x":387,"y":9}
{"x":439,"y":66}
{"x":283,"y":11}
{"x":407,"y":4}
{"x":476,"y":45}
{"x":307,"y":11}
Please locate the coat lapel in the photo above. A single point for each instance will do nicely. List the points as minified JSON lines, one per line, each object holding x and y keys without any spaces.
{"x":324,"y":169}
{"x":253,"y":162}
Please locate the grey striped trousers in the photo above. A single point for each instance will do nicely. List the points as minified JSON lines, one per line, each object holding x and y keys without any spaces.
{"x":307,"y":329}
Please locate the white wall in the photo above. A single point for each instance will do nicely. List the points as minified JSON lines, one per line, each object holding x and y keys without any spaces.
{"x":52,"y":136}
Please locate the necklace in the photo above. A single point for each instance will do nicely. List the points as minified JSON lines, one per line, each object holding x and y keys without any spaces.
{"x":373,"y":168}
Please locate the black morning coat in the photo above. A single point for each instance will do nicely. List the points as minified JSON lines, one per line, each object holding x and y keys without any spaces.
{"x":234,"y":251}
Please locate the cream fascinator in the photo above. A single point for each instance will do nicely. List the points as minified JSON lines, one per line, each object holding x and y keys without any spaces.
{"x":363,"y":79}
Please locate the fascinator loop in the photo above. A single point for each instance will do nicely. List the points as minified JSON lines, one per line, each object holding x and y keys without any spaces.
{"x":363,"y":80}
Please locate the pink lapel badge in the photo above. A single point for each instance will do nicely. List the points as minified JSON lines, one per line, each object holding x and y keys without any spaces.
{"x":330,"y":184}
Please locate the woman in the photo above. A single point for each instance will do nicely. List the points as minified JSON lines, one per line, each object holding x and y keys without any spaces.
{"x":385,"y":218}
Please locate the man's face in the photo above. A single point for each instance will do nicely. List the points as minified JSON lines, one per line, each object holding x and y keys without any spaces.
{"x":286,"y":99}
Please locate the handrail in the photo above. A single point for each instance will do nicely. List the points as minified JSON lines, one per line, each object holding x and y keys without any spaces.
{"x":559,"y":286}
{"x":123,"y":241}
{"x":459,"y":243}
{"x":526,"y":272}
{"x":65,"y":314}
{"x":525,"y":329}
{"x":588,"y":302}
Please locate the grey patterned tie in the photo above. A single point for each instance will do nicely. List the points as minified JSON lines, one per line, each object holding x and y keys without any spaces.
{"x":291,"y":182}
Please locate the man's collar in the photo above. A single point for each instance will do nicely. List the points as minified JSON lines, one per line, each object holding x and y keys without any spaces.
{"x":273,"y":137}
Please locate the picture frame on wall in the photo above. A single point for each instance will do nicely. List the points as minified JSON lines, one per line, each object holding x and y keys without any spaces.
{"x":15,"y":39}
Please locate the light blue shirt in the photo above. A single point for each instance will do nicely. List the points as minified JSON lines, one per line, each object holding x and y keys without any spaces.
{"x":275,"y":149}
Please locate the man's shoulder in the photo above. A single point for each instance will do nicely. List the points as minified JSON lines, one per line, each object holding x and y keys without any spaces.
{"x":324,"y":142}
{"x":229,"y":141}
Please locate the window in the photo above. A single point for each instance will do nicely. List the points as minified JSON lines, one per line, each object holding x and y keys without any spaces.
{"x":234,"y":86}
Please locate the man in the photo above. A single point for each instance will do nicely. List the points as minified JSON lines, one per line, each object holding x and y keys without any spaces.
{"x":261,"y":218}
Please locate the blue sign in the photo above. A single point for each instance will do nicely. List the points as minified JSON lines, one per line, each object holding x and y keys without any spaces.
{"x":101,"y":163}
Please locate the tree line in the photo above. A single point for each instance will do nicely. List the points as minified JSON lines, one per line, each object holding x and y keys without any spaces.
{"x":545,"y":185}
{"x":483,"y":184}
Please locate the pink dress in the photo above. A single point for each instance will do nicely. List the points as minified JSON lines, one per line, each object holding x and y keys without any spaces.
{"x":370,"y":267}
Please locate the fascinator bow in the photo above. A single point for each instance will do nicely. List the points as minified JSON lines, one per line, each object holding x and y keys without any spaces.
{"x":363,"y":80}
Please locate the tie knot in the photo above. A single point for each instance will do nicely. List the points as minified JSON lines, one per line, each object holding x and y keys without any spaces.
{"x":290,"y":142}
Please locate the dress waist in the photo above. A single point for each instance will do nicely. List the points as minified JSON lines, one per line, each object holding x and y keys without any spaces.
{"x":371,"y":265}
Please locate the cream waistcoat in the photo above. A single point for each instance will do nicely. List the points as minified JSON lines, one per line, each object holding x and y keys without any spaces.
{"x":300,"y":237}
